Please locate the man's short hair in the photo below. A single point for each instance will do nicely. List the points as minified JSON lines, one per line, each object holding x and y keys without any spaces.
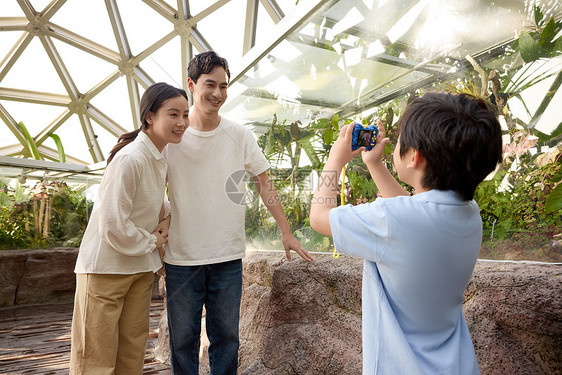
{"x":204,"y":63}
{"x":459,"y":136}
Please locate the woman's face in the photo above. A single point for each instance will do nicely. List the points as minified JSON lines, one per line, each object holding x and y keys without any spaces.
{"x":168,"y":124}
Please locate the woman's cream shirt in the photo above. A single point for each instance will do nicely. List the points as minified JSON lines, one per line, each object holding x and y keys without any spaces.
{"x":119,"y":239}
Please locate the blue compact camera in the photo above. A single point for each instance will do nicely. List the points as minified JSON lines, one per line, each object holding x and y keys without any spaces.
{"x":364,"y":136}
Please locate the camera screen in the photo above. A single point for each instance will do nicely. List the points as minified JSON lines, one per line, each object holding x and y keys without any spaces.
{"x":364,"y":138}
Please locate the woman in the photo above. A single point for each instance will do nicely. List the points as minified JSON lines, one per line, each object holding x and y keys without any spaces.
{"x":118,"y":254}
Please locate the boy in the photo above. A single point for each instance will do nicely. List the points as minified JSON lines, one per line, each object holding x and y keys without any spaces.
{"x":419,"y":250}
{"x":206,"y":238}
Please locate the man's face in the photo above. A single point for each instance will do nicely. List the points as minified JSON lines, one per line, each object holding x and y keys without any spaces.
{"x":209,"y":93}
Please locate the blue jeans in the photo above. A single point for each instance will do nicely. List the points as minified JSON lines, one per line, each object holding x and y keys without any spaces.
{"x":218,"y":287}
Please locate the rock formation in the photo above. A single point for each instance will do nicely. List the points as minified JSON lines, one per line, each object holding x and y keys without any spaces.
{"x":305,"y":318}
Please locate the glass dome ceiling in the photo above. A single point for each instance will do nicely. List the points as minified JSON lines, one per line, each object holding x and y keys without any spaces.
{"x":77,"y":69}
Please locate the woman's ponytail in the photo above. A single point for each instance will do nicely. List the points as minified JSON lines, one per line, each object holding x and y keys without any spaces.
{"x":123,"y":141}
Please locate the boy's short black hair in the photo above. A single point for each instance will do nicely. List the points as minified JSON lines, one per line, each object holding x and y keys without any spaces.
{"x":459,"y":136}
{"x":204,"y":63}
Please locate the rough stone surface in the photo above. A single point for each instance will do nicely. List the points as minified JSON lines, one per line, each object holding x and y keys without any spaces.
{"x":37,"y":276}
{"x":305,"y":318}
{"x":308,"y":321}
{"x":40,"y":276}
{"x":514,"y":314}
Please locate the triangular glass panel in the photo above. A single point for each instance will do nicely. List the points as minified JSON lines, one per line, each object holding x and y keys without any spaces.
{"x":11,"y":9}
{"x":88,"y":19}
{"x":143,"y":26}
{"x":34,"y":71}
{"x":113,"y":101}
{"x":73,"y":140}
{"x":164,"y":65}
{"x":85,"y":69}
{"x":214,"y":28}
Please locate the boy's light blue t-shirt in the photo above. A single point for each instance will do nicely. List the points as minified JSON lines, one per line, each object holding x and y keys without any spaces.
{"x":419,"y":255}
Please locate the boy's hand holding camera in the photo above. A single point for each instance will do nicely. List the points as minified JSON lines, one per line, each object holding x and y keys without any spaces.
{"x":341,"y":152}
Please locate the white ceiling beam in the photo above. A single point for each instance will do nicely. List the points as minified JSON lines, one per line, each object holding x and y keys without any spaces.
{"x":183,"y":9}
{"x":142,"y":77}
{"x":37,"y":97}
{"x":285,"y":27}
{"x":28,"y":9}
{"x":12,"y":124}
{"x":51,"y":9}
{"x":134,"y":100}
{"x":273,"y":9}
{"x":163,"y":8}
{"x":205,"y":12}
{"x":52,"y":154}
{"x":82,"y":43}
{"x":13,"y":23}
{"x":250,"y":25}
{"x":60,"y":67}
{"x":101,"y":86}
{"x":186,"y":56}
{"x":199,"y":41}
{"x":105,"y":121}
{"x":11,"y":150}
{"x":118,"y":30}
{"x":91,"y":138}
{"x":151,"y":49}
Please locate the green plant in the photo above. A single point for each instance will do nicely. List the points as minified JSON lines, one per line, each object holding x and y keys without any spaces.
{"x":70,"y":211}
{"x":32,"y":150}
{"x":539,"y":38}
{"x":515,"y":202}
{"x":49,"y":215}
{"x":13,"y":218}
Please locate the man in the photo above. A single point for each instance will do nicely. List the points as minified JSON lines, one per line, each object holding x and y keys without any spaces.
{"x":206,"y":242}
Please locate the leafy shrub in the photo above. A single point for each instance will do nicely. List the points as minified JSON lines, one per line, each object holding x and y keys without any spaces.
{"x":69,"y":212}
{"x":514,"y":202}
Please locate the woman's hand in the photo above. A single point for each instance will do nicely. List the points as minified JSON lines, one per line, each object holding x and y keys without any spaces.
{"x":160,"y":238}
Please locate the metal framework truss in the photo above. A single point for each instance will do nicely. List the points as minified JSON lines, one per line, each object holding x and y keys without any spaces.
{"x":38,"y":24}
{"x":388,"y":74}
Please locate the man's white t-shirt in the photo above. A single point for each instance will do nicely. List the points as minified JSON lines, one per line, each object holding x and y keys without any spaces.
{"x":419,"y":255}
{"x":206,"y":188}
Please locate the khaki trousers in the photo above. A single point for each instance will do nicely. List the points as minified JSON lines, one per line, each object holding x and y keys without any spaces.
{"x":110,"y":323}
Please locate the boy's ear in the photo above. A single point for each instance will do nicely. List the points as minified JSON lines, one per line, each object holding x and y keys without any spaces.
{"x":416,"y":159}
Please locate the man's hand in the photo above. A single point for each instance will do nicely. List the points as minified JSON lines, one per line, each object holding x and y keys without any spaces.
{"x":291,"y":243}
{"x":163,"y":226}
{"x":271,"y":200}
{"x":162,"y":270}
